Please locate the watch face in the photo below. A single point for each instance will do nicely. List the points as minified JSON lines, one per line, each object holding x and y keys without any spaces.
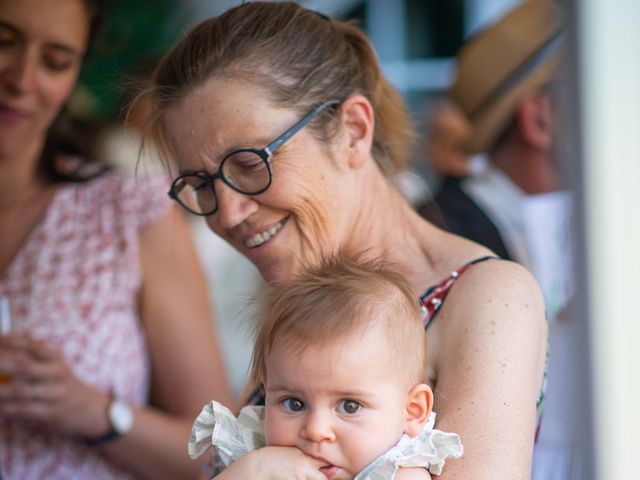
{"x":120,"y":416}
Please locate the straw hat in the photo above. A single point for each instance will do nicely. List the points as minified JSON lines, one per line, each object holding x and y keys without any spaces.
{"x":502,"y":64}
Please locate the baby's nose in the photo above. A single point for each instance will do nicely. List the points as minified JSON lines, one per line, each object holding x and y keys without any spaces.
{"x":318,"y":427}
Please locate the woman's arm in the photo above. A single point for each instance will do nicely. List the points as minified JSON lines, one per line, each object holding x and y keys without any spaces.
{"x":488,"y":347}
{"x":187,"y":367}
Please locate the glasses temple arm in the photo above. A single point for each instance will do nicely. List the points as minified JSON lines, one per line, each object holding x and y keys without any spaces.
{"x":273,"y":146}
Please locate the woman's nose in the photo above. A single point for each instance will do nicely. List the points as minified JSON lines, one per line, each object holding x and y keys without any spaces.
{"x":318,"y":427}
{"x":21,"y":72}
{"x":233,"y":207}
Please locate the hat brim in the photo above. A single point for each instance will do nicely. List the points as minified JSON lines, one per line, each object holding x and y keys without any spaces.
{"x":489,"y":123}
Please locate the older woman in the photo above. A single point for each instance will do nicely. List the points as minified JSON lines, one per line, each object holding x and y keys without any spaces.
{"x":284,"y":132}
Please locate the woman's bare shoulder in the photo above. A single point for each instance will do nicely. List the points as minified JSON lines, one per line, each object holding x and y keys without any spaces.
{"x":497,"y":278}
{"x":492,"y":302}
{"x":495,"y":287}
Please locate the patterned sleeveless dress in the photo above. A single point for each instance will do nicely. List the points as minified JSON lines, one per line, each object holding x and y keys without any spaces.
{"x":74,"y":284}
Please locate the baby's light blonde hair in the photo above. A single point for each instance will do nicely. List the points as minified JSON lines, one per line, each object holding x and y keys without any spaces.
{"x":341,"y":296}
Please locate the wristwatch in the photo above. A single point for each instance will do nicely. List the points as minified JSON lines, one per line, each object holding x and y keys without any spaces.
{"x":120,"y":417}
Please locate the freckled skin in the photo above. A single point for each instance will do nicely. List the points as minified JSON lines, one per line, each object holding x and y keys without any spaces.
{"x":309,"y":192}
{"x":324,"y":201}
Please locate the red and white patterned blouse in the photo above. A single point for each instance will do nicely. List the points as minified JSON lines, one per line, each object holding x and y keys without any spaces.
{"x":73,"y":284}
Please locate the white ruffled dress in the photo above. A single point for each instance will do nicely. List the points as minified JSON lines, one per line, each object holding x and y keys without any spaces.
{"x":233,"y":437}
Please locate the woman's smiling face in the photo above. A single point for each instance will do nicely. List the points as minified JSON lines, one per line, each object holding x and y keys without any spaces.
{"x":42,"y":43}
{"x":301,"y":215}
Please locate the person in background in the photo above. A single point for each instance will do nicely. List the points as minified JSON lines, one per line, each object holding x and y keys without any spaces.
{"x":500,"y":90}
{"x":284,"y":132}
{"x":448,"y":131}
{"x":505,"y":87}
{"x":111,"y":351}
{"x":352,"y":326}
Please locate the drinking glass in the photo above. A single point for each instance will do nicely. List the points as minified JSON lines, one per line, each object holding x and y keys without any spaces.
{"x":5,"y":328}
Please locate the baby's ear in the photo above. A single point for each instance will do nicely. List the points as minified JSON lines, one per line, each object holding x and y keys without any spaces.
{"x":418,"y":409}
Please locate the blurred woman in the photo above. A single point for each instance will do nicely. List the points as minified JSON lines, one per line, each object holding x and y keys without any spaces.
{"x":111,"y":353}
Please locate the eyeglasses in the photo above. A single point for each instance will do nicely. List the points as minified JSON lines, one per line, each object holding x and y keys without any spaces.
{"x":247,"y":171}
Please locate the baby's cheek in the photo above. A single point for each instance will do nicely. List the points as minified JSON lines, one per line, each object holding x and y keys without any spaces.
{"x":278,"y":431}
{"x":363,"y":448}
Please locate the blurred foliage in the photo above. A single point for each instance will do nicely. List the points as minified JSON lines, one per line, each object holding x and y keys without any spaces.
{"x":133,"y":36}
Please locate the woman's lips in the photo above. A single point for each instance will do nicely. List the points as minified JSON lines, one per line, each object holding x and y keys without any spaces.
{"x":12,"y":115}
{"x":264,"y":236}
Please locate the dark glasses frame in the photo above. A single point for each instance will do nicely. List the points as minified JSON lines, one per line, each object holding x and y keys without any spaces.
{"x":265,"y":154}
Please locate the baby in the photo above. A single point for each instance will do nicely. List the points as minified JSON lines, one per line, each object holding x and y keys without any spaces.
{"x":341,"y":354}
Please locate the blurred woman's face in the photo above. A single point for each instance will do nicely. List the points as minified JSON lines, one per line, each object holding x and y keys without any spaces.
{"x":304,"y":213}
{"x":42,"y":43}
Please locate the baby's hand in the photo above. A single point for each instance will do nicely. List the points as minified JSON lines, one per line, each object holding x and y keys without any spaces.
{"x":274,"y":463}
{"x":412,"y":474}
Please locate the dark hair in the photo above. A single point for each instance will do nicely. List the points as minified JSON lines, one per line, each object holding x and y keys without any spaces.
{"x":299,"y":57}
{"x":72,"y":136}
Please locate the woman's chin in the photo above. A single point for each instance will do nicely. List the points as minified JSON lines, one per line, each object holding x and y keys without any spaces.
{"x":276,"y":272}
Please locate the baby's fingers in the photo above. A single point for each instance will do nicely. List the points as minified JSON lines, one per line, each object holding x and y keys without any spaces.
{"x":311,"y":468}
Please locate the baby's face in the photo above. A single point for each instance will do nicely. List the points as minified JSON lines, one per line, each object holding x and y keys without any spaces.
{"x":341,"y":402}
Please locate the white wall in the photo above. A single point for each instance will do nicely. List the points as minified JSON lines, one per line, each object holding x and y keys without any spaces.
{"x":610,"y":75}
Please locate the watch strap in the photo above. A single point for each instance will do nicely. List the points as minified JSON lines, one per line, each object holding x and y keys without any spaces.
{"x":110,"y":435}
{"x":102,"y":439}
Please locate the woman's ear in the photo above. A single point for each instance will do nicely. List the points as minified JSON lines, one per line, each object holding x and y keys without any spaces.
{"x":418,"y":409}
{"x":357,"y":120}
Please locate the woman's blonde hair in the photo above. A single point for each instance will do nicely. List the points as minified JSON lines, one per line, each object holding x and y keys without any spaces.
{"x":299,"y":57}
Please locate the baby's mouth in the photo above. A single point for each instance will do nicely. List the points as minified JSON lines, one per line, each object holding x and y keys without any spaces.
{"x":330,"y":471}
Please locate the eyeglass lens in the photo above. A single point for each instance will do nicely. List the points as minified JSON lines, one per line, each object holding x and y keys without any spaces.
{"x":245,"y":171}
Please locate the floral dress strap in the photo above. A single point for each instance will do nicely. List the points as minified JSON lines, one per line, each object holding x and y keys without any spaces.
{"x":434,"y":298}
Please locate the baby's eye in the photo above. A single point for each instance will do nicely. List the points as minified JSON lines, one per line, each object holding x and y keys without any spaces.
{"x":292,"y":405}
{"x":349,"y":407}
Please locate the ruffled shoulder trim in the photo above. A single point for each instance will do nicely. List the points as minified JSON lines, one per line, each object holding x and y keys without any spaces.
{"x":429,"y":449}
{"x":233,"y":437}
